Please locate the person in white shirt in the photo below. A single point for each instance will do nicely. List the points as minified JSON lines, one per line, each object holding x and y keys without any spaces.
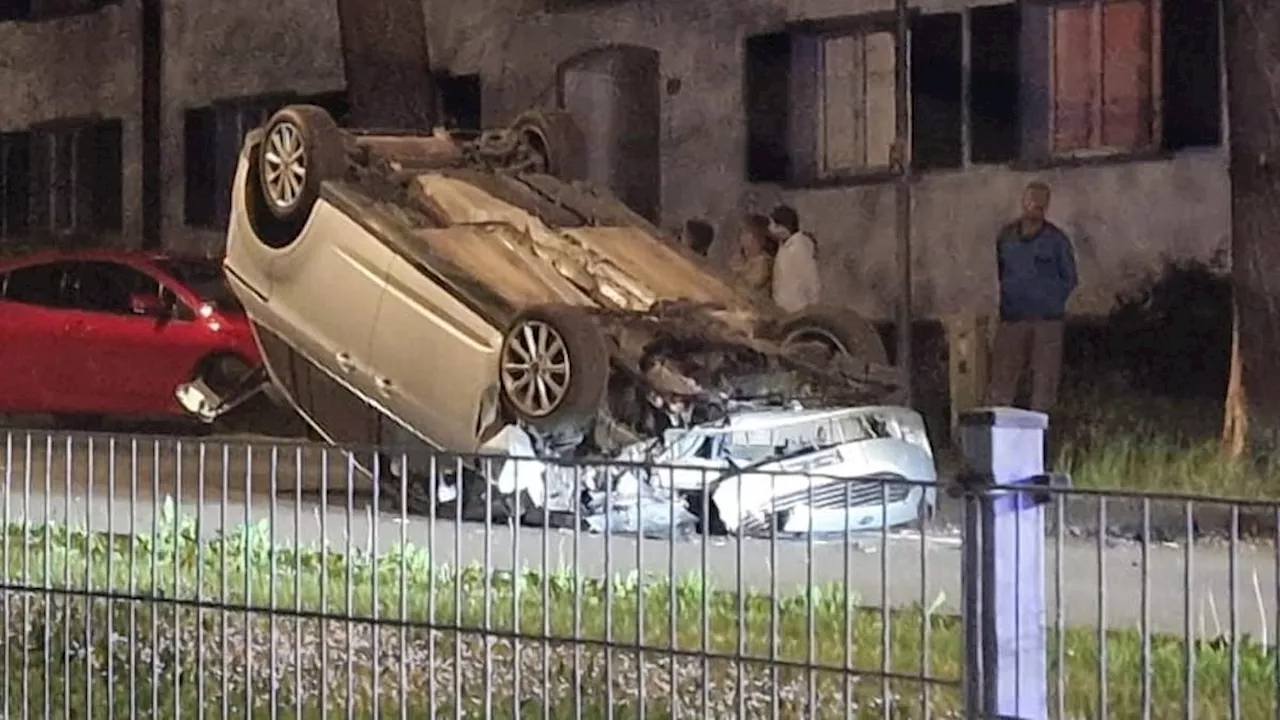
{"x":796,"y":284}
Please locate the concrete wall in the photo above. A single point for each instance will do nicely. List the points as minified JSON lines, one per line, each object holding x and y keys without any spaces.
{"x":1126,"y":218}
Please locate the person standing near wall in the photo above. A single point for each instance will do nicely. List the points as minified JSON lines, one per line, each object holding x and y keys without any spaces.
{"x":1036,"y":266}
{"x":796,"y":283}
{"x":752,"y":262}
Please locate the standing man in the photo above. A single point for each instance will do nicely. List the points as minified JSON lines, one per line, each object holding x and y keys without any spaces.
{"x":796,"y":283}
{"x":1037,"y":269}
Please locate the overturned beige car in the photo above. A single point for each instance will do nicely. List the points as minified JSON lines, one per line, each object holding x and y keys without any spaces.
{"x":445,"y":289}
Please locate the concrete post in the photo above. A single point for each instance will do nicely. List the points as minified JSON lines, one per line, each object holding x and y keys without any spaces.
{"x":1003,"y":572}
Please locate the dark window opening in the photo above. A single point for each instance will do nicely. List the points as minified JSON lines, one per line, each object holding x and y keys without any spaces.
{"x":15,"y":184}
{"x":994,"y":78}
{"x":15,"y":10}
{"x":460,"y":104}
{"x":937,"y":74}
{"x":73,"y":179}
{"x":1192,"y":77}
{"x":37,"y":10}
{"x":768,"y":98}
{"x":200,"y":148}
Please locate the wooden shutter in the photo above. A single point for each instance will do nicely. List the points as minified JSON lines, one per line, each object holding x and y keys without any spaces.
{"x":1126,"y":74}
{"x":1074,"y":77}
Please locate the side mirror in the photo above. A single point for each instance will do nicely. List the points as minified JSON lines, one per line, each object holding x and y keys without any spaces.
{"x":147,"y":304}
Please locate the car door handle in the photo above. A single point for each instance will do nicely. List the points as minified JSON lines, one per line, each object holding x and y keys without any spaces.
{"x":346,"y":363}
{"x":384,"y":385}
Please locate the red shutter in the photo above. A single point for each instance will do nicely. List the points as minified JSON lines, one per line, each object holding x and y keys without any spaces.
{"x":1126,"y":74}
{"x":1074,"y":78}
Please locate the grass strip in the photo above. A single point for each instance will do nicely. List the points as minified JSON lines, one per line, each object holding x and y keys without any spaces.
{"x":362,"y":636}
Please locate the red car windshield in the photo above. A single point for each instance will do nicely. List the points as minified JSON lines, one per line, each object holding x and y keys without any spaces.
{"x":205,"y":279}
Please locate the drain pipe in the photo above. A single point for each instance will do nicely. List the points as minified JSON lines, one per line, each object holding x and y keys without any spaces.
{"x":150,"y":80}
{"x":902,"y":186}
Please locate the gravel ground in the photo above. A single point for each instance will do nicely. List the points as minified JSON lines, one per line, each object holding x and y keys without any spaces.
{"x":313,"y":665}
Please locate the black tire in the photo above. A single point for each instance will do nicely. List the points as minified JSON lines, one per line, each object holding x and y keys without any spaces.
{"x":580,"y":351}
{"x":840,"y":329}
{"x":323,"y":156}
{"x":554,"y":137}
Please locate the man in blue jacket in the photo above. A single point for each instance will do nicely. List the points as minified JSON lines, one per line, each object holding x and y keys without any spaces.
{"x":1037,"y":270}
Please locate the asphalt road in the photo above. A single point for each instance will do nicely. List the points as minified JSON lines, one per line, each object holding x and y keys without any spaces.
{"x":119,"y":484}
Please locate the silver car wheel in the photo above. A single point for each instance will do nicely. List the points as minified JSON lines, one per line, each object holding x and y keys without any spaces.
{"x":535,"y":368}
{"x":285,"y":160}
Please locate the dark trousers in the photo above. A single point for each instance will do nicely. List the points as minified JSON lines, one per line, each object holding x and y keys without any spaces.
{"x":1026,"y":345}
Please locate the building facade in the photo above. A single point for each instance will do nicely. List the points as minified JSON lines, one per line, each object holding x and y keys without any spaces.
{"x":690,"y":110}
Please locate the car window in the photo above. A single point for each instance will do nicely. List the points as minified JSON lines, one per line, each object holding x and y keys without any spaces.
{"x":203,"y":278}
{"x":109,"y":287}
{"x":37,"y":285}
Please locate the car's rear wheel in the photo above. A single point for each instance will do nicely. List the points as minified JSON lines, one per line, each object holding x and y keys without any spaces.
{"x":554,"y":366}
{"x":837,"y":331}
{"x":301,"y":148}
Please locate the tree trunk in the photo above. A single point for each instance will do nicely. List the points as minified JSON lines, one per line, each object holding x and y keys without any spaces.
{"x":388,"y":66}
{"x":1252,"y":47}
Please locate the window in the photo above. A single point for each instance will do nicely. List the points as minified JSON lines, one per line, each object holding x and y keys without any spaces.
{"x":212,"y":139}
{"x":62,"y":179}
{"x":108,"y":287}
{"x":994,"y":78}
{"x":937,"y":91}
{"x":36,"y":10}
{"x":37,"y":285}
{"x":15,"y":184}
{"x":820,"y":103}
{"x":1046,"y":79}
{"x":204,"y":278}
{"x":460,"y":101}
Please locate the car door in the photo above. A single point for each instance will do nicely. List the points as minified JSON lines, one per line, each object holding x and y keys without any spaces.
{"x":32,"y":344}
{"x":326,"y":289}
{"x":434,"y":359}
{"x":132,"y":361}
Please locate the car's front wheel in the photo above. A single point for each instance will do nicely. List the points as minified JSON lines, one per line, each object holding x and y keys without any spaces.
{"x":554,"y":367}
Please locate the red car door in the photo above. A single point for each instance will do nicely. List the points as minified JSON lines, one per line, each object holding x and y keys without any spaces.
{"x":31,"y":337}
{"x":135,"y":356}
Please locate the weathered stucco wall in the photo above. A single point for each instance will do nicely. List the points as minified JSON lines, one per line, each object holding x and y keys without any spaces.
{"x":1125,"y":218}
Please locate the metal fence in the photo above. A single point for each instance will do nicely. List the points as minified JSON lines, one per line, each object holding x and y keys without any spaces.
{"x":151,"y":577}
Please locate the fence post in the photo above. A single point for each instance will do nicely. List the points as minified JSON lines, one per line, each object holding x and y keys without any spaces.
{"x":1003,"y":574}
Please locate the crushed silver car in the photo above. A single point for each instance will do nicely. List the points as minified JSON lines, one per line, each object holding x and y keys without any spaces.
{"x":467,"y":295}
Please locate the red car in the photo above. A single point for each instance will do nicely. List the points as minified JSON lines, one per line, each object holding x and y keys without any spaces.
{"x":87,"y":334}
